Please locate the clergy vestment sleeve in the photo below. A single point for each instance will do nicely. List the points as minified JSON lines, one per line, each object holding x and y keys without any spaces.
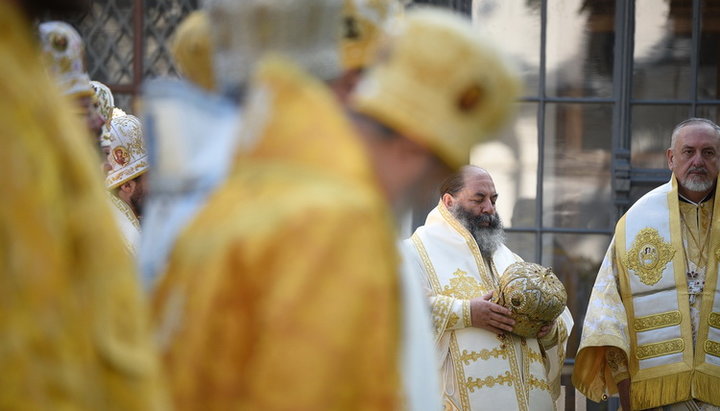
{"x":550,"y":340}
{"x":449,"y":313}
{"x":605,"y":328}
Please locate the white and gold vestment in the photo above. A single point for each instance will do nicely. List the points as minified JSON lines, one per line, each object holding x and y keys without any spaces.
{"x":128,"y":160}
{"x":653,"y":316}
{"x":480,"y":369}
{"x":127,"y":222}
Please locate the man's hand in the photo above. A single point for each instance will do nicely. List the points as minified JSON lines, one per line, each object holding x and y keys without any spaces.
{"x":545,"y":330}
{"x":490,"y":316}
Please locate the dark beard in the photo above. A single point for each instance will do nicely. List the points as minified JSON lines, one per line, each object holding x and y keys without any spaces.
{"x":488,"y":237}
{"x":137,"y":201}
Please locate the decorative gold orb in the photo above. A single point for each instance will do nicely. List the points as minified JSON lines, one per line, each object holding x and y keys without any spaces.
{"x":534,"y":295}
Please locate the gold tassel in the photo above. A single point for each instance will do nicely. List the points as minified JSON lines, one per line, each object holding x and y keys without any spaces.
{"x":664,"y":390}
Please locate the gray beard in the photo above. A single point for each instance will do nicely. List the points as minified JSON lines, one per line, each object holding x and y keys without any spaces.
{"x":488,"y":238}
{"x":697,"y":183}
{"x":697,"y":186}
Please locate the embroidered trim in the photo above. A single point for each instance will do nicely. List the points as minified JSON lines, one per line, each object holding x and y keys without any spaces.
{"x":441,"y":310}
{"x":468,"y":357}
{"x":459,"y":372}
{"x":661,"y":348}
{"x":648,"y":256}
{"x":462,"y":286}
{"x":562,"y":338}
{"x":467,"y":313}
{"x":126,"y":210}
{"x":714,"y":320}
{"x":615,"y":358}
{"x":417,"y":242}
{"x":118,"y":178}
{"x":534,"y":356}
{"x":472,"y":244}
{"x":534,"y":382}
{"x":476,"y":383}
{"x":520,"y":393}
{"x":526,"y":365}
{"x":654,"y":321}
{"x":712,"y":348}
{"x":452,"y":320}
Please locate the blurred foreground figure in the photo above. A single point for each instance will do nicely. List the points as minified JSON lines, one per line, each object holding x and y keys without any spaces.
{"x":460,"y":256}
{"x":192,"y":135}
{"x":64,"y":57}
{"x":192,"y":50}
{"x":73,"y":328}
{"x":309,"y":142}
{"x":652,"y":328}
{"x":283,"y":293}
{"x":127,"y":178}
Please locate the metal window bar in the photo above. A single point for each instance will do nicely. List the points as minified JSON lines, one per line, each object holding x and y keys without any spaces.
{"x":542,"y":100}
{"x":695,"y":54}
{"x":127,"y":41}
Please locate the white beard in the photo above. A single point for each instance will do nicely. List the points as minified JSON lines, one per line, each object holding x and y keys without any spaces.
{"x":697,"y":186}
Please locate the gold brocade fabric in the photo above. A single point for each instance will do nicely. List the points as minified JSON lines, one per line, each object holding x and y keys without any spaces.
{"x":73,"y":327}
{"x":298,"y":136}
{"x":696,"y":219}
{"x":127,"y":222}
{"x":282,"y":294}
{"x":480,"y":369}
{"x":605,"y":326}
{"x":602,"y":359}
{"x":695,"y":222}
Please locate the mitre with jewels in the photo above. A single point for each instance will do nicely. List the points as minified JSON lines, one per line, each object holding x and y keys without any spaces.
{"x":63,"y":51}
{"x":417,"y":88}
{"x":106,"y":103}
{"x":534,"y":294}
{"x":128,"y":156}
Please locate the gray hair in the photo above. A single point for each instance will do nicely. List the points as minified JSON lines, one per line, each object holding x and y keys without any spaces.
{"x":690,"y":122}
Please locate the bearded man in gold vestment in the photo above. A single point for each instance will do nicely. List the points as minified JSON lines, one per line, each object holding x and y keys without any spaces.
{"x":283,"y":292}
{"x":652,"y":328}
{"x":460,"y":256}
{"x":73,"y":328}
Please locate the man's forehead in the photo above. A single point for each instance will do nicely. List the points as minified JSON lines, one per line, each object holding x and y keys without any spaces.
{"x":695,"y":135}
{"x":480,"y":183}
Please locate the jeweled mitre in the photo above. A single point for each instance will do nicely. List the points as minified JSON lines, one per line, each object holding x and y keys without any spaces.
{"x":534,"y":295}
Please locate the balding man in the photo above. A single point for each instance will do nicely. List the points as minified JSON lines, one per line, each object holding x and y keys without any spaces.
{"x":652,"y":328}
{"x":460,"y":254}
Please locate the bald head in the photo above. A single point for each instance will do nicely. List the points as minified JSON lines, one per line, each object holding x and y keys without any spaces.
{"x":456,"y":182}
{"x":697,"y":122}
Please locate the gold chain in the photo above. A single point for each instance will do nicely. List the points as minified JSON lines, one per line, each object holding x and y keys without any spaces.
{"x":700,"y":246}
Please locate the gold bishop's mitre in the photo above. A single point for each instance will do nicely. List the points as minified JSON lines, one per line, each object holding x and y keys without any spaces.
{"x":128,"y":156}
{"x":64,"y":54}
{"x":534,"y":295}
{"x":106,"y":103}
{"x":192,"y":50}
{"x":364,"y":23}
{"x":439,"y":82}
